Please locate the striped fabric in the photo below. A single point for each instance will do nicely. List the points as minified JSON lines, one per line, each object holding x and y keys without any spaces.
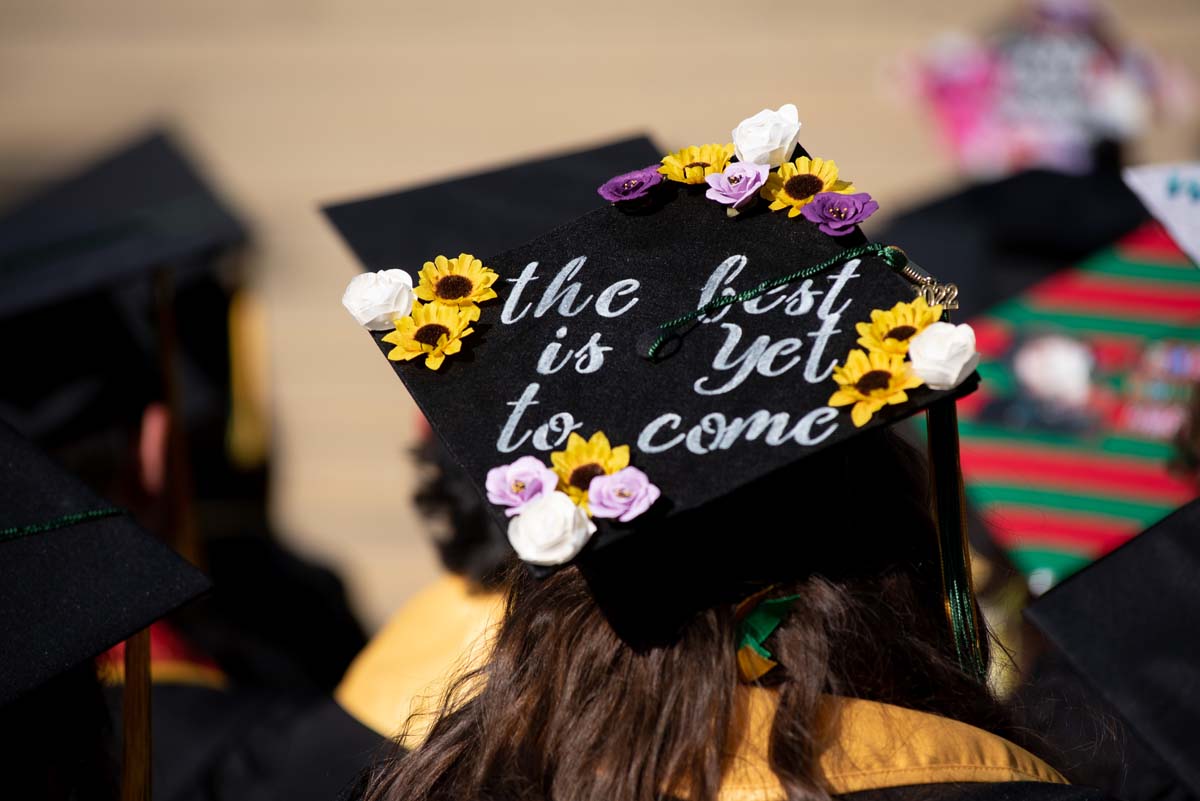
{"x":1059,"y":489}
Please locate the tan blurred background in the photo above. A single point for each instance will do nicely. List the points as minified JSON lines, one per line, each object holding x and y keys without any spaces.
{"x":291,"y":103}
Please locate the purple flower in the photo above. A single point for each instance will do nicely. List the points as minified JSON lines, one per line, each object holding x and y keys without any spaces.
{"x":514,"y":485}
{"x":632,"y":185}
{"x":624,"y":495}
{"x":837,"y":214}
{"x":738,"y":185}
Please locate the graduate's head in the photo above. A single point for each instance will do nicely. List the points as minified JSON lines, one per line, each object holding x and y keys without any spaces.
{"x":677,"y":405}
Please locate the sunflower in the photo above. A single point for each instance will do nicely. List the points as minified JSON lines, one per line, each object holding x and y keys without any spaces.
{"x":433,"y":330}
{"x":583,"y":460}
{"x":794,"y":184}
{"x":870,"y":382}
{"x":690,"y":165}
{"x":457,"y":282}
{"x":891,"y":331}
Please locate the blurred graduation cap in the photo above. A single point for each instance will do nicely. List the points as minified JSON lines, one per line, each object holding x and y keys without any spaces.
{"x":995,"y":240}
{"x":1172,"y":194}
{"x":77,"y":575}
{"x":1118,"y":624}
{"x":78,"y":269}
{"x":640,"y":367}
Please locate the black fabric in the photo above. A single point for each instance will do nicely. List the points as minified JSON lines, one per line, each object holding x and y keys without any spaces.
{"x":1085,"y":738}
{"x":246,"y":744}
{"x":981,"y":791}
{"x":135,"y":210}
{"x":486,"y":212}
{"x":1126,"y":623}
{"x":670,"y":254}
{"x":69,"y":593}
{"x":996,"y":240}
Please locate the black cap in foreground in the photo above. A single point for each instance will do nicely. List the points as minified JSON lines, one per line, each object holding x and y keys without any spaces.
{"x":77,"y":576}
{"x":1122,"y":624}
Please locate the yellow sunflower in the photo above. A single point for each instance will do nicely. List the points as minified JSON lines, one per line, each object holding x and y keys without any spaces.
{"x":871,"y":382}
{"x":793,"y":185}
{"x":433,"y":330}
{"x":457,"y":282}
{"x":890,"y":331}
{"x":690,"y":165}
{"x":583,"y":460}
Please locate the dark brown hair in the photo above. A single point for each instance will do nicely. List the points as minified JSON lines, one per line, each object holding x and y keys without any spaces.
{"x":569,"y":710}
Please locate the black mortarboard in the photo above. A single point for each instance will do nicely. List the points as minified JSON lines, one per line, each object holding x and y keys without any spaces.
{"x":77,"y":575}
{"x":76,"y":269}
{"x":141,"y":208}
{"x":611,"y":324}
{"x":995,"y":240}
{"x":1118,"y":624}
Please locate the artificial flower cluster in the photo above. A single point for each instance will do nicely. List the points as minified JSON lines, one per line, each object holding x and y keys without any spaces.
{"x":902,"y":348}
{"x":451,"y":289}
{"x":755,"y":166}
{"x":552,"y":507}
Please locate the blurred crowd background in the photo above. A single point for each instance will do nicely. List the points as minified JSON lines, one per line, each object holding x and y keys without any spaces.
{"x":286,"y":106}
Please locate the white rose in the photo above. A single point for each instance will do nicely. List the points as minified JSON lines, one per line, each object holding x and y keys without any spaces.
{"x":376,"y":298}
{"x":550,"y":530}
{"x":943,"y":355}
{"x":768,"y":137}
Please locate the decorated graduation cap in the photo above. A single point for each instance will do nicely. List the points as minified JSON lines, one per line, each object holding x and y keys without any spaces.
{"x":720,"y":320}
{"x":77,"y":575}
{"x":84,"y":265}
{"x":1117,"y":623}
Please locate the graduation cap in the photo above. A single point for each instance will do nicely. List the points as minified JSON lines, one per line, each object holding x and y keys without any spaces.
{"x":634,"y":371}
{"x":1117,"y":623}
{"x":77,"y":575}
{"x":87,"y":267}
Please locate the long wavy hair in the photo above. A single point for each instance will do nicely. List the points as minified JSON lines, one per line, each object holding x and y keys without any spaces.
{"x":585,"y":698}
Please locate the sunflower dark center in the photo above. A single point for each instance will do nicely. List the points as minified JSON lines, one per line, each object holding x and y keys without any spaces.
{"x":696,"y":164}
{"x":803,"y":186}
{"x":430,"y":333}
{"x":900,"y":333}
{"x":582,"y":476}
{"x":453,"y":287}
{"x":876,"y":379}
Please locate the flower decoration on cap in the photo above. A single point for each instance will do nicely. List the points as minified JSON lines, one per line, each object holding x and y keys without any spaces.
{"x":551,"y":530}
{"x":943,"y":355}
{"x":593,"y":479}
{"x":836,"y":213}
{"x":516,"y":485}
{"x":462,"y":282}
{"x":893,"y":330}
{"x":583,"y":460}
{"x":433,"y":330}
{"x":737,"y":187}
{"x":769,"y":137}
{"x":623,"y":495}
{"x":870,"y":381}
{"x":634,"y":185}
{"x":794,"y":185}
{"x":376,"y":299}
{"x":692,"y":164}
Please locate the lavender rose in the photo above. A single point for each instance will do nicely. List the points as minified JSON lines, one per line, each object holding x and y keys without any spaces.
{"x":632,"y":185}
{"x":624,"y":495}
{"x":836,"y":214}
{"x":737,"y":186}
{"x":515,"y":485}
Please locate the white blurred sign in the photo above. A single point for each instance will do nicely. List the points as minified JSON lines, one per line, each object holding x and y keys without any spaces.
{"x":1171,"y":192}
